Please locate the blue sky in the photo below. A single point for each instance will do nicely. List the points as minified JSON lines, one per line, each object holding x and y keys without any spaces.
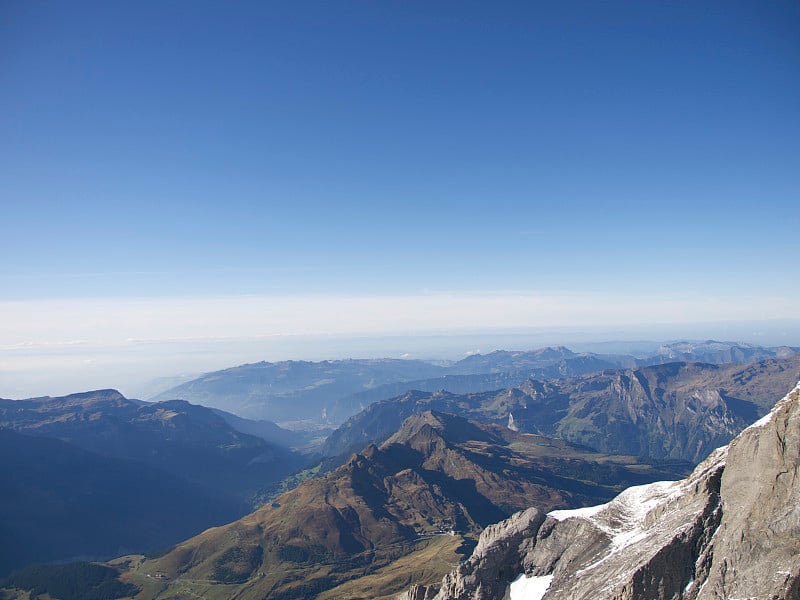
{"x":568,"y":150}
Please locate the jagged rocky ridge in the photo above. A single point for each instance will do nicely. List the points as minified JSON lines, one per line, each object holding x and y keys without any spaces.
{"x":730,"y":530}
{"x":673,"y":411}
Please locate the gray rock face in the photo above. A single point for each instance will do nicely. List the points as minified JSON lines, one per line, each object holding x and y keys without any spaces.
{"x":418,"y":592}
{"x":756,"y":550}
{"x":730,"y":530}
{"x":496,"y":559}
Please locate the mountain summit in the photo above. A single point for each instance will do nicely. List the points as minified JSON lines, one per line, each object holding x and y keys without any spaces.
{"x":730,"y":530}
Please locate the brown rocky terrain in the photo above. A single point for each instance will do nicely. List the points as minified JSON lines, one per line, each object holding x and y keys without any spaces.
{"x":434,"y":485}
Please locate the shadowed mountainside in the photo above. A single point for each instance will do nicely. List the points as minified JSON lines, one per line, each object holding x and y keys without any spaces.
{"x":190,"y":442}
{"x":60,"y":502}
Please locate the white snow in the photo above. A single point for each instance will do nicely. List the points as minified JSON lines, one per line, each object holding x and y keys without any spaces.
{"x":530,"y":588}
{"x":586,"y":512}
{"x":624,"y":518}
{"x":634,"y":504}
{"x":629,"y":511}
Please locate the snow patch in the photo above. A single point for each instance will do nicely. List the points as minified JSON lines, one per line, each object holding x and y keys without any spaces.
{"x":624,"y":519}
{"x":629,"y":510}
{"x":586,"y":513}
{"x":638,"y":514}
{"x":530,"y":588}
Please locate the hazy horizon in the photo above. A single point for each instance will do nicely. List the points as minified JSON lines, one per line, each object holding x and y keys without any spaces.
{"x":136,"y":366}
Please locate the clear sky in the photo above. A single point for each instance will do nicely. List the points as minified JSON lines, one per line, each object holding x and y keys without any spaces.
{"x":284,"y":168}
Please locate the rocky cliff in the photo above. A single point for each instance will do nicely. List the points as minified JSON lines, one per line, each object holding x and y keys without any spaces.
{"x":730,"y":530}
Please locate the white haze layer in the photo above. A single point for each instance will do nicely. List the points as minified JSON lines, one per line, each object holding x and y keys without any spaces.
{"x":55,"y":347}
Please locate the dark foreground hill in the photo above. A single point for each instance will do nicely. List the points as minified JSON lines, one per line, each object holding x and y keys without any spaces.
{"x":96,"y":475}
{"x":408,"y":508}
{"x":675,"y":410}
{"x":731,"y":530}
{"x":190,"y":442}
{"x":60,"y":502}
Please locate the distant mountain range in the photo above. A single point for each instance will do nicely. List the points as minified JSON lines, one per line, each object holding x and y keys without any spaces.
{"x":294,"y":390}
{"x":674,"y":410}
{"x":329,"y":392}
{"x":716,"y":352}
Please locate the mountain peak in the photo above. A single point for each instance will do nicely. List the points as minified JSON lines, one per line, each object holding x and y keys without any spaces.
{"x":432,"y":424}
{"x":105,"y":395}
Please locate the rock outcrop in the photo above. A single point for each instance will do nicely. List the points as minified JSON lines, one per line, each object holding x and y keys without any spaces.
{"x":418,"y":592}
{"x":730,"y":530}
{"x":756,"y":550}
